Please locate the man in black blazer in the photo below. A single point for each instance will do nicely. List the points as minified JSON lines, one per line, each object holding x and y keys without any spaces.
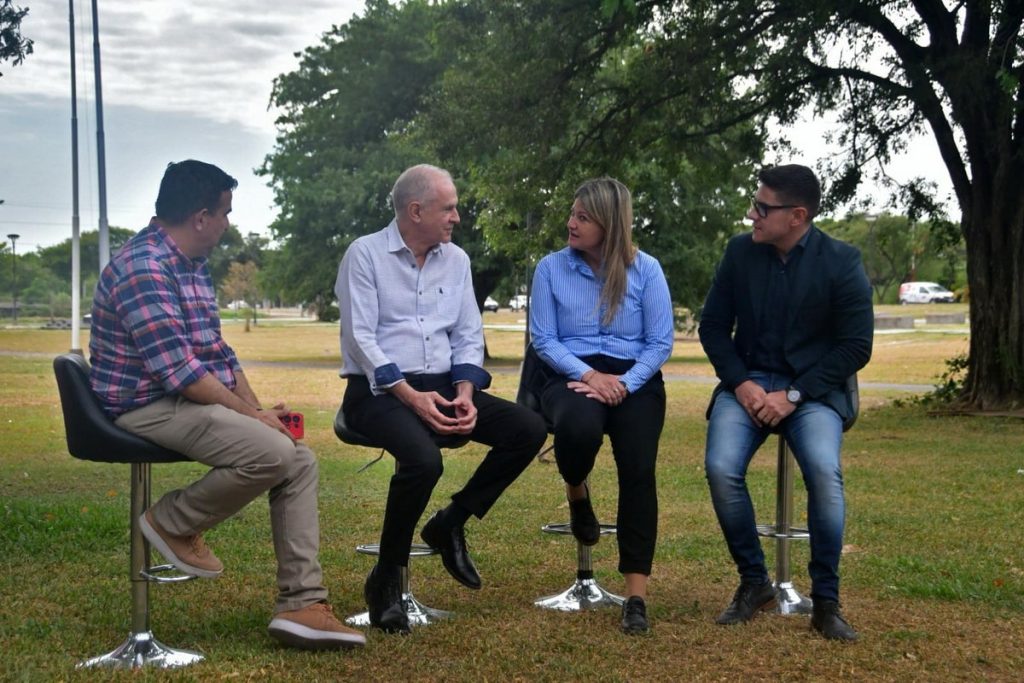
{"x":787,"y":320}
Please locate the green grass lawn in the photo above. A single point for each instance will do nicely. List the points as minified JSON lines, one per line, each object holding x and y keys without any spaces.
{"x":933,"y":571}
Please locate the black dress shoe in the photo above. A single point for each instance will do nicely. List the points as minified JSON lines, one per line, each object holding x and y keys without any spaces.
{"x":383,"y":593}
{"x":748,"y":600}
{"x":451,"y":542}
{"x":827,"y":620}
{"x":583,"y":522}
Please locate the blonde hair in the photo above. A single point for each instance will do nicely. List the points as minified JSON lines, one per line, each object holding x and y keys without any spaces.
{"x":610,"y":204}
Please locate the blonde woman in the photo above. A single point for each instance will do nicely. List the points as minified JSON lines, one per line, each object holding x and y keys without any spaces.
{"x":601,"y":319}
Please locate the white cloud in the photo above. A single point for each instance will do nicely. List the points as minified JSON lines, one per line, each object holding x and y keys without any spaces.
{"x":181,"y":79}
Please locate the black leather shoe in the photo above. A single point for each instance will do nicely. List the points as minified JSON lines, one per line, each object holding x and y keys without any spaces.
{"x":634,"y":616}
{"x":383,"y":593}
{"x":827,"y":620}
{"x":583,"y":522}
{"x":749,"y":598}
{"x":451,"y":541}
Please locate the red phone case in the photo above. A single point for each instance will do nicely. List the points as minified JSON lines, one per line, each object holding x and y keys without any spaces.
{"x":293,"y":423}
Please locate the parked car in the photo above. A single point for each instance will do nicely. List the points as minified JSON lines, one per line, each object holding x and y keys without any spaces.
{"x":518,"y":302}
{"x":924,"y":293}
{"x":490,"y":305}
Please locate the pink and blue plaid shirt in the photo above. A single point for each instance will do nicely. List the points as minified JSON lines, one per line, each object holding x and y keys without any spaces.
{"x":155,"y":325}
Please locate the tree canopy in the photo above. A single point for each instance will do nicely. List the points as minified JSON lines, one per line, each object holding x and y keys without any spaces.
{"x":14,"y":47}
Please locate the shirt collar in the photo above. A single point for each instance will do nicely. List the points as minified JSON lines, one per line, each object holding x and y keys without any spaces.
{"x":172,"y":246}
{"x":576,"y":262}
{"x":396,"y":243}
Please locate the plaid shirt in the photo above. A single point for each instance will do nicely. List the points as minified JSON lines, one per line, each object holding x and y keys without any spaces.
{"x":155,"y":326}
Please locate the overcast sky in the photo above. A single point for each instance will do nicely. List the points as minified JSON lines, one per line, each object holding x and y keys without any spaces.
{"x":181,"y":79}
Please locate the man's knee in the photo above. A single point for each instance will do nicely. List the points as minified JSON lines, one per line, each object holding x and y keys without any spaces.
{"x":425,"y":466}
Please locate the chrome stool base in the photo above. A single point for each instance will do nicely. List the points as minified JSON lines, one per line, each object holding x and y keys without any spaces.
{"x":585,"y":593}
{"x":788,"y":599}
{"x":418,"y":613}
{"x":142,"y":649}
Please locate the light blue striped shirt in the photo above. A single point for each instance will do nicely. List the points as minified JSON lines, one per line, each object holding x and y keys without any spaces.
{"x":566,"y":312}
{"x":398,"y":318}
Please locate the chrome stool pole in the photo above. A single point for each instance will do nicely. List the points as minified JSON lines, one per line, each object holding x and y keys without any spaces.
{"x":788,"y":599}
{"x":418,"y":613}
{"x":585,"y":593}
{"x":141,"y":648}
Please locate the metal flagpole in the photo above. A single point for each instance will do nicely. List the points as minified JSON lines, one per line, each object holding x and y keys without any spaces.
{"x":76,"y":247}
{"x":100,"y":153}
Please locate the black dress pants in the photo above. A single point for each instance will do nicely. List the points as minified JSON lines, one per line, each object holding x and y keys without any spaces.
{"x":634,"y":428}
{"x":515,"y":435}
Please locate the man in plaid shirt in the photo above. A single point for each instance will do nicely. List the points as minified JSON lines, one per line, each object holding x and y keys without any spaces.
{"x":163,"y":371}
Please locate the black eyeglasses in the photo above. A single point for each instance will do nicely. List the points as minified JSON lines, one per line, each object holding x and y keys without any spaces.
{"x":762,"y":208}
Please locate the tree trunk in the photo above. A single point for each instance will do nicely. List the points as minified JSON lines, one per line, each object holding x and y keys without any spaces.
{"x":994,"y":232}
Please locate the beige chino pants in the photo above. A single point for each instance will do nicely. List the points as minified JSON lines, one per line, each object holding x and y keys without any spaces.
{"x":246,"y":458}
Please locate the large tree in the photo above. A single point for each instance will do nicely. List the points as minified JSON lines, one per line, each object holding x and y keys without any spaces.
{"x":889,"y":70}
{"x":547,"y":93}
{"x":14,"y":47}
{"x":345,"y":135}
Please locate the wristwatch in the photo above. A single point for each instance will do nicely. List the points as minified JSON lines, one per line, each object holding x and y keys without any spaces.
{"x":794,"y":395}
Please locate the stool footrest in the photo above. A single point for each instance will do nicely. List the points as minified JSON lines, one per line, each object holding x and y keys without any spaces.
{"x":151,"y":574}
{"x":415,"y":550}
{"x":772,"y":531}
{"x":565,"y":529}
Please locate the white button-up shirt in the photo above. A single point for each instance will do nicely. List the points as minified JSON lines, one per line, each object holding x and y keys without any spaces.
{"x":399,"y":318}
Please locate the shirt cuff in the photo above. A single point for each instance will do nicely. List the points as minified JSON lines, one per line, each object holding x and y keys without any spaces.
{"x":189,"y":373}
{"x":387,"y":375}
{"x":466,"y":372}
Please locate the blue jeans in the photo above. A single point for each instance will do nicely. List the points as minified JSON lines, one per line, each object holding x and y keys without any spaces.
{"x":814,"y":432}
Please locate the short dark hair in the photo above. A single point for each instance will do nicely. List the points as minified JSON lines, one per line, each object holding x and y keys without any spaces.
{"x":189,"y":186}
{"x":795,"y":184}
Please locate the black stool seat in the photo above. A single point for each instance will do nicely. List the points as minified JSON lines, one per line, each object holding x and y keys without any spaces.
{"x":93,"y":436}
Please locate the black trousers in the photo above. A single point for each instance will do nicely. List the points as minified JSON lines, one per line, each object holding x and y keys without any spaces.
{"x":634,"y":428}
{"x":515,"y":435}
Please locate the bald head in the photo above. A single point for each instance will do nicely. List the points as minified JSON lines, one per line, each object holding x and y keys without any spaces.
{"x":417,"y":184}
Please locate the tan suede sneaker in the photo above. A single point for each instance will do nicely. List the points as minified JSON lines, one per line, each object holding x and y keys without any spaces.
{"x":314,"y":627}
{"x":188,"y":553}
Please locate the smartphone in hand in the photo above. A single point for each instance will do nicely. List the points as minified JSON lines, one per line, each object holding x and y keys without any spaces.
{"x":293,"y":423}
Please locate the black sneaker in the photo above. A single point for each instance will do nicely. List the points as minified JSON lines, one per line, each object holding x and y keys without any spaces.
{"x":827,"y":620}
{"x":583,"y":522}
{"x":383,"y":594}
{"x":634,"y":616}
{"x":749,"y":598}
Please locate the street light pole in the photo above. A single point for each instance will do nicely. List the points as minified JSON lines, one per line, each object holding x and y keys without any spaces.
{"x":14,"y":274}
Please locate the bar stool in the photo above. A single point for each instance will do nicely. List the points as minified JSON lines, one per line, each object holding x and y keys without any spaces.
{"x":418,"y":613}
{"x":91,"y":435}
{"x":585,"y":592}
{"x":788,"y":600}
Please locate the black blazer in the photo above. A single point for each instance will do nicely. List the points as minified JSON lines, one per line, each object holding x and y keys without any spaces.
{"x":829,"y":326}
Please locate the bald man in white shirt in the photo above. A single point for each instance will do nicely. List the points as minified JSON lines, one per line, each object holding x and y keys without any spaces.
{"x":412,"y":351}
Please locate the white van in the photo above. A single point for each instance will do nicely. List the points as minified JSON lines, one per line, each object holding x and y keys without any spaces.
{"x":924,"y":293}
